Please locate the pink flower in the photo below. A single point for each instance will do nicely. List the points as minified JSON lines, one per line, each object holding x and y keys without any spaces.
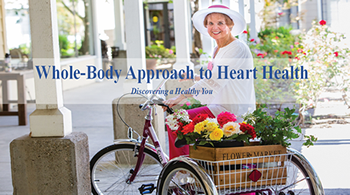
{"x":225,"y":117}
{"x":300,"y":50}
{"x":296,"y":43}
{"x":210,"y":65}
{"x":291,"y":46}
{"x":322,"y":22}
{"x":297,"y":58}
{"x":336,"y":54}
{"x":275,"y":50}
{"x":280,"y":13}
{"x":171,"y":51}
{"x":188,"y":103}
{"x":245,"y":32}
{"x":276,"y":37}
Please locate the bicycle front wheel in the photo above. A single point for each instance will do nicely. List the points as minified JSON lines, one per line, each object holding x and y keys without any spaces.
{"x":298,"y":181}
{"x":112,"y":166}
{"x":181,"y":178}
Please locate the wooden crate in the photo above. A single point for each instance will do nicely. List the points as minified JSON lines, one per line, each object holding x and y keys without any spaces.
{"x":229,"y":167}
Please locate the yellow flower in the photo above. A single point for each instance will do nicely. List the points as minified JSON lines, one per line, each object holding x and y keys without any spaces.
{"x":200,"y":126}
{"x":211,"y":126}
{"x":231,"y":128}
{"x":216,"y":135}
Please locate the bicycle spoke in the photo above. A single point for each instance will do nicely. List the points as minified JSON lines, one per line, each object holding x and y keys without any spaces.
{"x":112,"y":169}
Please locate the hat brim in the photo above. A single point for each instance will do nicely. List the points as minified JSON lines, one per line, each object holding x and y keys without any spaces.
{"x":238,"y":20}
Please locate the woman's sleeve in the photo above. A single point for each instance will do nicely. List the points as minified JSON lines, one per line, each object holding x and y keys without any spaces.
{"x":236,"y":59}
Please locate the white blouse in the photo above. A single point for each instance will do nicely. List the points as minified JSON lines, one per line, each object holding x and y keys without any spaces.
{"x":234,"y":94}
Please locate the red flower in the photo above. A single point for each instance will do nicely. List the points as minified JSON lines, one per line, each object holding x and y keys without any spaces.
{"x":300,"y":50}
{"x":336,"y":54}
{"x":322,"y":22}
{"x":245,"y":32}
{"x":244,"y":127}
{"x":251,"y":40}
{"x":276,"y":37}
{"x":178,"y":129}
{"x":286,"y":52}
{"x":297,"y":58}
{"x":226,"y":117}
{"x":189,"y":128}
{"x":260,"y":54}
{"x":199,"y":118}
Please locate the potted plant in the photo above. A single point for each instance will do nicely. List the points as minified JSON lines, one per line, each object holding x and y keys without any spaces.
{"x":156,"y":52}
{"x":278,"y":129}
{"x":222,"y":131}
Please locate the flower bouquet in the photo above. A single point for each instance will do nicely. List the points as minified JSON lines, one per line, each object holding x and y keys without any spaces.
{"x":205,"y":131}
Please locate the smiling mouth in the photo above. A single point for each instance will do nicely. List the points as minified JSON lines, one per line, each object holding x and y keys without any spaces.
{"x":216,"y":33}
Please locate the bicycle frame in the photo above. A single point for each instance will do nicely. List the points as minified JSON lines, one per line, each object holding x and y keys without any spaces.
{"x":148,"y":131}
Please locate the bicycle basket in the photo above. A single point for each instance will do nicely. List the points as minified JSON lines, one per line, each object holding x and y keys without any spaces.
{"x":241,"y":169}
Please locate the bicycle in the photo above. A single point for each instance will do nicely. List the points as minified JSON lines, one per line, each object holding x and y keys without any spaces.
{"x":134,"y":166}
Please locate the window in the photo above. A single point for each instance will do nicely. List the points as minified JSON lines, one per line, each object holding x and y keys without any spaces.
{"x":74,"y":28}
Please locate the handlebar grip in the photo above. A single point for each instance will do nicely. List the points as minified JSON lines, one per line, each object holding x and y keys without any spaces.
{"x":168,"y":109}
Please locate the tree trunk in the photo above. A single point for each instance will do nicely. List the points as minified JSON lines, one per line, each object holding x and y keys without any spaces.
{"x":197,"y":42}
{"x":84,"y":49}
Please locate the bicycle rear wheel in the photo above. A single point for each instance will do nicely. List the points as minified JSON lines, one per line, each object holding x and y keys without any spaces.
{"x":112,"y":166}
{"x":180,"y":179}
{"x":298,"y":181}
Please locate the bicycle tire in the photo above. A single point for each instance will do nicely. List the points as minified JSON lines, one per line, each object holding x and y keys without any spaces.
{"x":109,"y":174}
{"x":169,"y":184}
{"x":300,"y":175}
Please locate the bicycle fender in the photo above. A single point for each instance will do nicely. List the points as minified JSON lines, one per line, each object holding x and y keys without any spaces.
{"x":208,"y":182}
{"x":315,"y":180}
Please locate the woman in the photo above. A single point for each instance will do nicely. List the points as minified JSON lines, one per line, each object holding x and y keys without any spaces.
{"x":233,"y":94}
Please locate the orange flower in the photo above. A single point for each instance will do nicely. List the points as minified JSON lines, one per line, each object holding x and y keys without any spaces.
{"x":188,"y":128}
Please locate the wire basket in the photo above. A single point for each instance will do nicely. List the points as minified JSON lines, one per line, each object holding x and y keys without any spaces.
{"x":244,"y":169}
{"x":247,"y":174}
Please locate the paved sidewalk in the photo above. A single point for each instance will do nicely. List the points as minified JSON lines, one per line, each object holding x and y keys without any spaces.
{"x":92,"y":114}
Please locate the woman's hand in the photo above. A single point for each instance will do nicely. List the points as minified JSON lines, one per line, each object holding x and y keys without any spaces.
{"x":195,"y":78}
{"x":173,"y":101}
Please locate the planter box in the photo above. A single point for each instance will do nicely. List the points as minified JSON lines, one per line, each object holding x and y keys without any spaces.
{"x":240,"y":167}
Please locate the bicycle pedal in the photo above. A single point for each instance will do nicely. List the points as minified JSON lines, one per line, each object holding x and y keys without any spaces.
{"x":147,"y":188}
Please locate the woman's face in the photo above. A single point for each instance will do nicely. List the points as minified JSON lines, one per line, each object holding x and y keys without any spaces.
{"x":217,"y":27}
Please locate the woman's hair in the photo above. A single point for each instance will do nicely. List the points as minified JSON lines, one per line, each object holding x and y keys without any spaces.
{"x":228,"y":20}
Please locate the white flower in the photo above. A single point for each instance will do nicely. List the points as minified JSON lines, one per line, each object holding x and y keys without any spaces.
{"x":231,"y":128}
{"x":179,"y":116}
{"x":214,"y":120}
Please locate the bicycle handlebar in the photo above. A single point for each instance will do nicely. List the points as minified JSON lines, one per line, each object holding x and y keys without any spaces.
{"x":157,"y":102}
{"x":160,"y":103}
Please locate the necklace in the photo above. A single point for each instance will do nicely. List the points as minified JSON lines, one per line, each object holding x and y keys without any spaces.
{"x":217,"y":50}
{"x":226,"y":42}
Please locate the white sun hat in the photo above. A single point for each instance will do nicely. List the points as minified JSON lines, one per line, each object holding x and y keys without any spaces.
{"x":238,"y":20}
